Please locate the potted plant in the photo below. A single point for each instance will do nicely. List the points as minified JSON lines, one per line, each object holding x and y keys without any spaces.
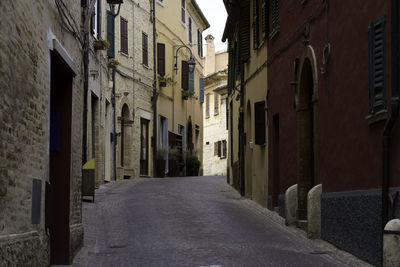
{"x":165,"y":81}
{"x":160,"y":161}
{"x":173,"y":156}
{"x":192,"y":165}
{"x":186,"y":94}
{"x":112,"y":63}
{"x":101,"y":44}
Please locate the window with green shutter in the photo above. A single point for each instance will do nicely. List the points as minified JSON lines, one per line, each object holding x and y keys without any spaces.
{"x":201,"y":86}
{"x":110,"y":35}
{"x":377,"y":72}
{"x":191,"y":82}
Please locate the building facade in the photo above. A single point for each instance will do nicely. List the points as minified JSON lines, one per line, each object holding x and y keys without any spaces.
{"x":216,"y":141}
{"x":41,"y":133}
{"x":330,"y":93}
{"x":179,"y":98}
{"x":119,"y":110}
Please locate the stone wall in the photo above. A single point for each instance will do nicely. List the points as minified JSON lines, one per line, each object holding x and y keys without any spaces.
{"x":25,"y":30}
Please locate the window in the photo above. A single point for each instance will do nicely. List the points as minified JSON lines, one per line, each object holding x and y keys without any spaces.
{"x":161,"y":59}
{"x":95,"y":21}
{"x":185,"y":75}
{"x":207,"y":106}
{"x":124,"y":35}
{"x":145,"y":55}
{"x":199,"y":43}
{"x":220,"y":149}
{"x":216,"y":104}
{"x":256,"y":25}
{"x":259,"y":120}
{"x":183,"y":12}
{"x":275,"y":18}
{"x":259,"y":22}
{"x":110,"y":35}
{"x":377,"y":73}
{"x":190,"y":30}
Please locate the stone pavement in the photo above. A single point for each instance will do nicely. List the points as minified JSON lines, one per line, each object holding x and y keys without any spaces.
{"x":192,"y":221}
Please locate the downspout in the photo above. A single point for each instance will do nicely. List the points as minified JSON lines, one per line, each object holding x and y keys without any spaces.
{"x":85,"y":86}
{"x":241,"y":132}
{"x":113,"y":127}
{"x":154,"y":97}
{"x":393,"y":116}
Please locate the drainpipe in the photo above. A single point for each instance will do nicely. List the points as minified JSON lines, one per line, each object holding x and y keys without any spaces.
{"x":113,"y":127}
{"x":241,"y":132}
{"x":393,"y":116}
{"x":154,"y":97}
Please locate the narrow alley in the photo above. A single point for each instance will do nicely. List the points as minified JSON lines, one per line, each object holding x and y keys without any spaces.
{"x":192,"y":221}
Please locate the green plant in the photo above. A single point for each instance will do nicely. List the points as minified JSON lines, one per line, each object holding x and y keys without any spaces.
{"x":101,"y":44}
{"x":187,"y":94}
{"x":192,"y":165}
{"x":166,"y":80}
{"x":112,"y":63}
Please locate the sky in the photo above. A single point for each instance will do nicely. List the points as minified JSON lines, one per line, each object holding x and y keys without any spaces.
{"x":215,"y":12}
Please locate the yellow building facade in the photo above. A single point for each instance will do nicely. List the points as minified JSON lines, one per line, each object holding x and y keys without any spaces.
{"x":179,"y":95}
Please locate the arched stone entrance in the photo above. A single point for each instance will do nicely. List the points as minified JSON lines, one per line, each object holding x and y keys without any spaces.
{"x":306,"y":129}
{"x":125,"y":146}
{"x":249,"y":152}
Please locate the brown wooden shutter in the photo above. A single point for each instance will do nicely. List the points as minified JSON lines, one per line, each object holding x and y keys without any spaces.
{"x":145,"y":55}
{"x":215,"y":148}
{"x":124,"y":36}
{"x":161,"y":59}
{"x":255,"y":24}
{"x":244,"y":33}
{"x":185,"y":75}
{"x":264,"y":19}
{"x":224,"y":148}
{"x":219,"y":149}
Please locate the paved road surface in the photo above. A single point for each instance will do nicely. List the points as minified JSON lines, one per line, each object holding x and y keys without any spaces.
{"x":194,"y":221}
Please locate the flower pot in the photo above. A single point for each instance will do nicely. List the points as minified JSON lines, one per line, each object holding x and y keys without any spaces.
{"x":98,"y":45}
{"x":163,"y":84}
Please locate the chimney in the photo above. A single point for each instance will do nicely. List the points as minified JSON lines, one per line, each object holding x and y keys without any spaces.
{"x":210,"y":55}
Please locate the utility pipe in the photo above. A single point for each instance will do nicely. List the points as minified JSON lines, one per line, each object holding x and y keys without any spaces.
{"x":154,"y":98}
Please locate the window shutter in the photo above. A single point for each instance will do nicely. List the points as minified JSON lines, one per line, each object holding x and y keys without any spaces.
{"x":259,"y":119}
{"x":255,"y":24}
{"x":161,"y":59}
{"x":124,"y":36}
{"x":377,"y":73}
{"x":207,"y":105}
{"x":98,"y":19}
{"x":110,"y":35}
{"x":244,"y":33}
{"x":191,"y":82}
{"x":215,"y":148}
{"x":183,"y":11}
{"x":230,"y":74}
{"x":201,"y":85}
{"x":219,"y":148}
{"x":145,"y":57}
{"x":185,"y":75}
{"x":216,"y":104}
{"x":224,"y":148}
{"x":190,"y":30}
{"x":237,"y":62}
{"x":199,"y":43}
{"x":93,"y":22}
{"x":264,"y":19}
{"x":275,"y":14}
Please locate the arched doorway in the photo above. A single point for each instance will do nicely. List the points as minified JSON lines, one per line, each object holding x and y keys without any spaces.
{"x":124,"y":136}
{"x":306,"y":134}
{"x":249,"y":153}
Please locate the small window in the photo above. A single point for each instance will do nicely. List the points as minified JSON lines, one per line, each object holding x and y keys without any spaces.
{"x":185,"y":75}
{"x":199,"y":43}
{"x":124,"y":36}
{"x":223,"y":149}
{"x":216,"y":104}
{"x":145,"y":55}
{"x":183,"y":12}
{"x":275,"y":18}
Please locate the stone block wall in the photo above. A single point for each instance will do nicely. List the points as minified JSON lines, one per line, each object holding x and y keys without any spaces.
{"x":25,"y":28}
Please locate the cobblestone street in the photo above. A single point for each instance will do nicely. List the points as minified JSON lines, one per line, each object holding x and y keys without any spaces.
{"x":196,"y":221}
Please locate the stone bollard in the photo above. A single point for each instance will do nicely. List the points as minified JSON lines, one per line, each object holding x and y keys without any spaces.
{"x":291,"y":205}
{"x":391,"y":244}
{"x":314,"y":212}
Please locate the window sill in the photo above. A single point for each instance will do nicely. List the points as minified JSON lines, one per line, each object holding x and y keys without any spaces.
{"x":124,"y":54}
{"x":160,"y":3}
{"x":274,"y":33}
{"x":377,"y":117}
{"x":145,"y":66}
{"x":183,"y":24}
